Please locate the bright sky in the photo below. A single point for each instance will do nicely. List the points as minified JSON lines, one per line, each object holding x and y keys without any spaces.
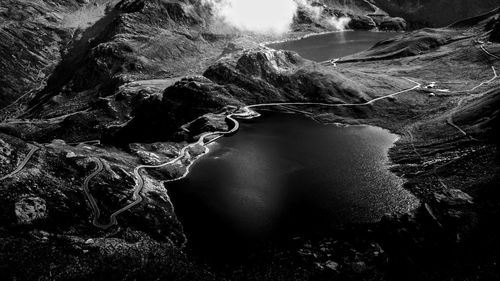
{"x":260,"y":16}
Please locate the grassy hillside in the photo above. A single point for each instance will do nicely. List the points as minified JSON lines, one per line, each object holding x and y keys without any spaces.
{"x":436,"y":13}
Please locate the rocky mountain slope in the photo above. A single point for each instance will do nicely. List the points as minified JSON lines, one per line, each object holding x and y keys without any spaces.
{"x":361,"y":15}
{"x":140,"y":47}
{"x":168,"y":36}
{"x":132,"y":83}
{"x":35,"y":35}
{"x":437,"y":13}
{"x":251,"y":76}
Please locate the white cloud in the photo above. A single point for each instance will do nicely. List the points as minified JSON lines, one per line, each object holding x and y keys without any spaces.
{"x":267,"y":16}
{"x":259,"y":16}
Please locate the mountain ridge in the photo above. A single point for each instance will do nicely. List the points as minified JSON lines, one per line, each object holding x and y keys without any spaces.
{"x":144,"y":81}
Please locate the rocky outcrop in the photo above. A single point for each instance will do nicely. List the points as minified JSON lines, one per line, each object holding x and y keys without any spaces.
{"x":30,"y":209}
{"x":392,"y":24}
{"x":327,"y":15}
{"x":453,"y":198}
{"x":361,"y":22}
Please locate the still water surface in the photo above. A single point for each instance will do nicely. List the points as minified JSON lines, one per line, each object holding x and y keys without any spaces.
{"x":333,"y":45}
{"x":283,"y":175}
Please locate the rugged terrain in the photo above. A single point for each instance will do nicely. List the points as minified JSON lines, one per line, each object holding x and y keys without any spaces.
{"x":97,"y":112}
{"x":435,"y":13}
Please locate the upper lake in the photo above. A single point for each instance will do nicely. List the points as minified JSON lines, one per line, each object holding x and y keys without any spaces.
{"x":333,"y":45}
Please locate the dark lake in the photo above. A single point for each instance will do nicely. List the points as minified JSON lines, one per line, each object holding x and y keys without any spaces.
{"x":333,"y":45}
{"x":284,"y":175}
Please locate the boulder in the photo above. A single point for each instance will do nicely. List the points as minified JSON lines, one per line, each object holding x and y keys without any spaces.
{"x":332,"y":265}
{"x":453,"y":198}
{"x":359,"y":22}
{"x":394,"y":24}
{"x":30,"y":209}
{"x":71,"y":154}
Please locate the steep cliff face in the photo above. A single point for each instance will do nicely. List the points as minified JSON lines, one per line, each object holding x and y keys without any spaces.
{"x":438,"y":13}
{"x":34,"y":36}
{"x":133,"y":41}
{"x":356,"y":15}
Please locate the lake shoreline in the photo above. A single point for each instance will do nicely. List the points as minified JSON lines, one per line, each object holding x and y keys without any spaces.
{"x":296,"y":37}
{"x":334,"y":44}
{"x":174,"y":188}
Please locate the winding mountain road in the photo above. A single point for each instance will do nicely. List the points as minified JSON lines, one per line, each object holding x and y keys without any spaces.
{"x":140,"y":181}
{"x":23,"y":163}
{"x":495,"y":76}
{"x":85,"y":186}
{"x":449,"y":120}
{"x":245,"y":112}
